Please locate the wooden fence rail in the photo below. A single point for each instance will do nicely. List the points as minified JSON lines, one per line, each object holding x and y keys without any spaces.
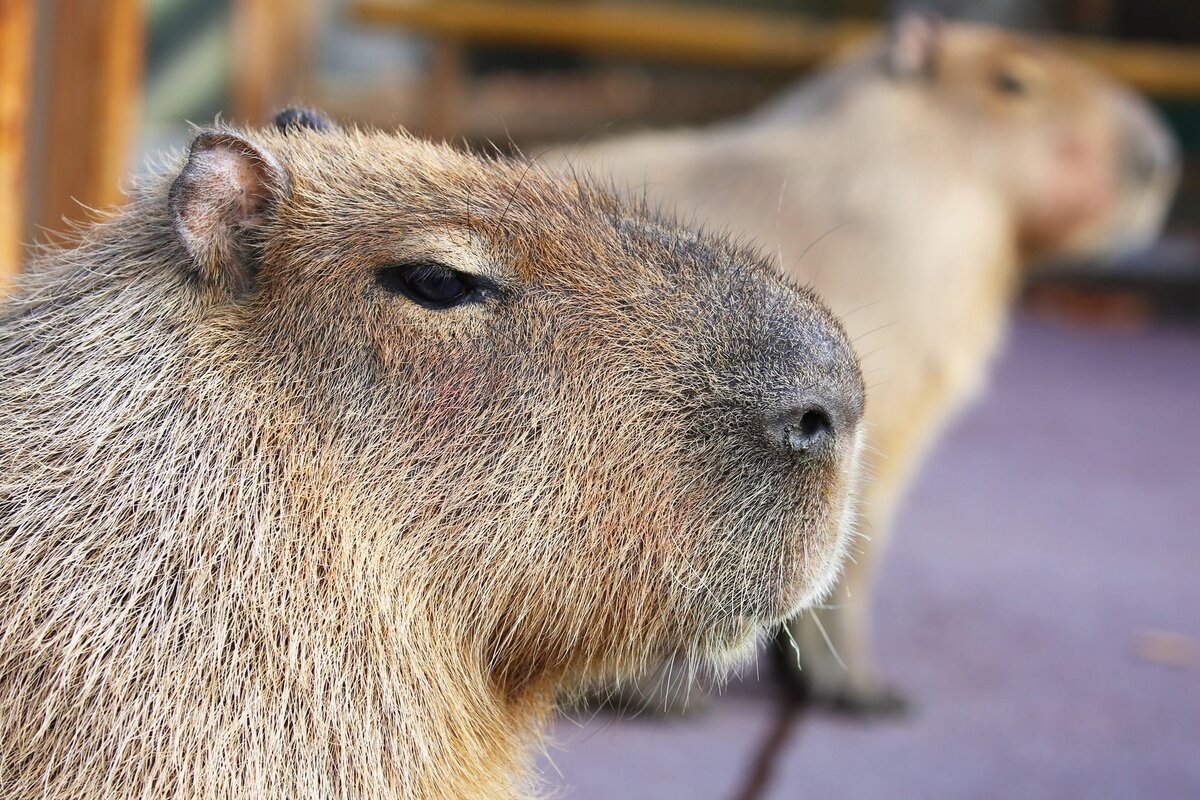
{"x":728,"y":37}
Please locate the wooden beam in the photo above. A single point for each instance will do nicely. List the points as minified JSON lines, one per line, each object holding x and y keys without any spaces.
{"x":653,"y":31}
{"x":94,"y":105}
{"x":16,"y":50}
{"x":727,"y":37}
{"x":1164,"y":71}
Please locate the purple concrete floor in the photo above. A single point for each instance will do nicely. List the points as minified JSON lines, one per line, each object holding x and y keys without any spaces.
{"x":1056,"y":525}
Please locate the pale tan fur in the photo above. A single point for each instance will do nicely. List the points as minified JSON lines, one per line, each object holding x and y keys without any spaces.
{"x":269,"y":529}
{"x":911,"y":186}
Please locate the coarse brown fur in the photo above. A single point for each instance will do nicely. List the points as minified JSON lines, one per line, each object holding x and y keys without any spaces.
{"x":270,"y":529}
{"x":911,"y":187}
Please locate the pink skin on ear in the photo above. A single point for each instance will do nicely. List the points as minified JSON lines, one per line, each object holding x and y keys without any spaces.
{"x":228,"y":188}
{"x":912,"y":44}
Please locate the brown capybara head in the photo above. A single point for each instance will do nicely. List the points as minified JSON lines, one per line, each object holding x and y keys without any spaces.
{"x":336,"y":452}
{"x":1085,"y":166}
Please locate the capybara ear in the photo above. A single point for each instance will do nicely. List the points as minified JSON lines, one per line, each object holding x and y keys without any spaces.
{"x":912,"y":43}
{"x":227,"y":191}
{"x":304,"y":118}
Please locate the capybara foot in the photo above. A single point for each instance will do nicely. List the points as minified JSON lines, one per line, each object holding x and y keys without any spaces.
{"x":864,"y":703}
{"x":827,"y":685}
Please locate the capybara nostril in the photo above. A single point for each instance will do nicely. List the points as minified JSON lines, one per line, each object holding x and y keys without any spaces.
{"x":804,"y":430}
{"x":812,"y":431}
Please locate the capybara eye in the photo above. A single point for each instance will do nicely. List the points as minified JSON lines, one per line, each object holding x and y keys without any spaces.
{"x":1007,"y":83}
{"x":428,"y":283}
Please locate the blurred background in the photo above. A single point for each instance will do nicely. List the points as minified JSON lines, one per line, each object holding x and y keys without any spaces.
{"x":1040,"y":602}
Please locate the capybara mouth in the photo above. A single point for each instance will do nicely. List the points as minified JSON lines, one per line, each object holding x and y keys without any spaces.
{"x":800,"y":519}
{"x":816,"y":573}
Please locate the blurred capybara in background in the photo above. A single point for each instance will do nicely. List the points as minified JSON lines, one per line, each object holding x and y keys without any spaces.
{"x":912,"y":186}
{"x":332,"y":457}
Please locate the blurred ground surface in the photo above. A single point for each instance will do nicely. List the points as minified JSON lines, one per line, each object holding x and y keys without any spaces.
{"x":1045,"y":574}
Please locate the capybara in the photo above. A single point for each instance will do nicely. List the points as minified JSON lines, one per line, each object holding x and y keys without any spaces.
{"x":332,"y":458}
{"x":912,"y":186}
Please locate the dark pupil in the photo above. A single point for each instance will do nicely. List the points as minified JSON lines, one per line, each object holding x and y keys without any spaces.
{"x":432,"y":285}
{"x":437,"y":285}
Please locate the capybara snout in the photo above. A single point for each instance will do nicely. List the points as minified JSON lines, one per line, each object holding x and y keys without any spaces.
{"x":1151,"y":168}
{"x":796,"y":380}
{"x":1151,"y":154}
{"x":814,"y":412}
{"x":638,"y":372}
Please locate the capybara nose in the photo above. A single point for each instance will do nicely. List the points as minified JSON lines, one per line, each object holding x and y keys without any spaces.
{"x":1153,"y":159}
{"x":810,"y":426}
{"x":1151,"y":150}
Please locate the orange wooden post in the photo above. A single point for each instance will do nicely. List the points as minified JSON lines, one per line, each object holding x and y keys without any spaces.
{"x":94,"y":105}
{"x":256,"y":42}
{"x":445,"y":88}
{"x":16,"y":46}
{"x":272,"y":46}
